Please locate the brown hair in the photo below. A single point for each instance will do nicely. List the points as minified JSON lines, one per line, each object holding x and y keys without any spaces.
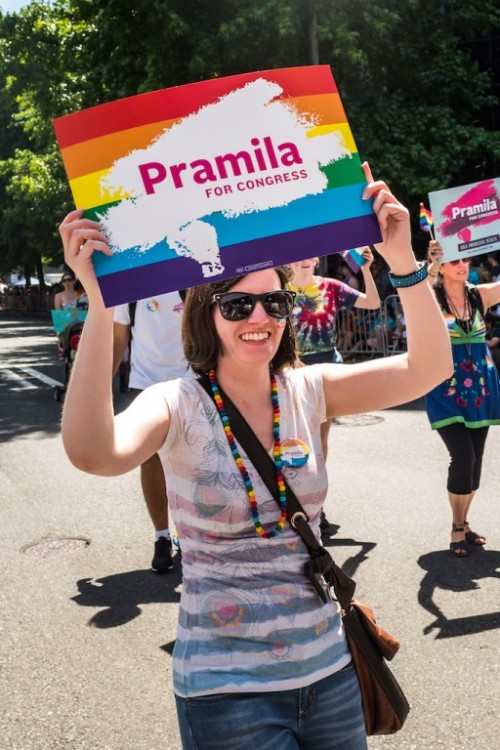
{"x":201,"y":342}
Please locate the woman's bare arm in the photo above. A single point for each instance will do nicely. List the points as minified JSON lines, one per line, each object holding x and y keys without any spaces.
{"x":95,"y":440}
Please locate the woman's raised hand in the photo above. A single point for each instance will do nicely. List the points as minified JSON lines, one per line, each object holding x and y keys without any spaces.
{"x":81,"y":238}
{"x":434,"y":252}
{"x":394,"y":221}
{"x":368,"y":256}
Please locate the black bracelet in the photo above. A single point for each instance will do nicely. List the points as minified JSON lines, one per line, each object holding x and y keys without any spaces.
{"x":410,"y":279}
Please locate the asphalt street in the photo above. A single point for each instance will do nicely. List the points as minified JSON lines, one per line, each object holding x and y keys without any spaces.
{"x":87,"y":630}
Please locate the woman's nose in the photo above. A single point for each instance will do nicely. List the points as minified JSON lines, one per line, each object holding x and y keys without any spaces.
{"x":258,"y":313}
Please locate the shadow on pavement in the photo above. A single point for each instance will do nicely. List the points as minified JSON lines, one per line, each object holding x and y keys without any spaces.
{"x":121,"y":596}
{"x":447,"y":573}
{"x":30,"y":416}
{"x":351,"y":565}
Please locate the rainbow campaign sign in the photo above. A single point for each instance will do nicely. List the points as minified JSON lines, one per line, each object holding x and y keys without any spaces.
{"x":215,"y":179}
{"x":467,"y":219}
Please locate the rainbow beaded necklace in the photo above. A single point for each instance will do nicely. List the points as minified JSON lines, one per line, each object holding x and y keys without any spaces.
{"x":239,"y":463}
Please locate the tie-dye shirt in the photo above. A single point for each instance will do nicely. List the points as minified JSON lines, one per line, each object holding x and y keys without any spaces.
{"x":249,"y":619}
{"x":315,"y":311}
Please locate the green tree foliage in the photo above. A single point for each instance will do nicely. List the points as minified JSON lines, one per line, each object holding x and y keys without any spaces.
{"x":418,"y":96}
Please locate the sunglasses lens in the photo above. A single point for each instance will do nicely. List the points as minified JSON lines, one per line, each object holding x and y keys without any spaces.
{"x":456,"y":262}
{"x":278,"y":304}
{"x":236,"y":306}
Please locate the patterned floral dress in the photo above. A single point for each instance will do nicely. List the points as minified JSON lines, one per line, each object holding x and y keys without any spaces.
{"x":472,"y":395}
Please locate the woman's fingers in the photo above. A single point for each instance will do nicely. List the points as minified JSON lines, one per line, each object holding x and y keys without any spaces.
{"x":81,"y":237}
{"x":390,"y":213}
{"x":367,"y":171}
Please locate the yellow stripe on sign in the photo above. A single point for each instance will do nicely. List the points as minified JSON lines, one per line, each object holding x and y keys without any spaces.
{"x":88,"y":192}
{"x":339,"y":127}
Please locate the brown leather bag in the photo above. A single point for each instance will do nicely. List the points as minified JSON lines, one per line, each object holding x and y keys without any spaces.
{"x":385,"y":707}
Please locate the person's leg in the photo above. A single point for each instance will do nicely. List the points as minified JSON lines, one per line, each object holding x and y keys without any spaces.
{"x":478,"y":437}
{"x":155,"y":495}
{"x":331,"y":714}
{"x":155,"y":491}
{"x":459,"y":443}
{"x":325,"y":431}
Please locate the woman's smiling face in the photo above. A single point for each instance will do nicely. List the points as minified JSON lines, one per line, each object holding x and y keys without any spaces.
{"x":255,"y":339}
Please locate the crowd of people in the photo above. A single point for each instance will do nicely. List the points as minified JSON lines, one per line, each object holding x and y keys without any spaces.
{"x":26,"y":299}
{"x":31,"y":299}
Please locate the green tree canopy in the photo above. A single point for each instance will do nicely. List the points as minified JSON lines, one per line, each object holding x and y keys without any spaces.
{"x":419,"y":97}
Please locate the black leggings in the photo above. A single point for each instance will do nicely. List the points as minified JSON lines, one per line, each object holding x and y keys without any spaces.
{"x":466,"y":448}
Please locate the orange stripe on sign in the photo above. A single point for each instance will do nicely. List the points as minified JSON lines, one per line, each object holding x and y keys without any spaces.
{"x":327,"y":107}
{"x":101,"y":153}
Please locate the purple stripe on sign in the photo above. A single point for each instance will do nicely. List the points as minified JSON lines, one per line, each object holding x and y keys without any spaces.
{"x":172,"y":274}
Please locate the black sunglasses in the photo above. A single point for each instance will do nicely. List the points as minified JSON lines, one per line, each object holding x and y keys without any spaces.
{"x":236,"y":306}
{"x":457,"y":261}
{"x":67,"y":279}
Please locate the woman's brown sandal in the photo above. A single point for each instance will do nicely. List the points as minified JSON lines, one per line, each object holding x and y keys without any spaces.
{"x":458,"y":549}
{"x":478,"y":540}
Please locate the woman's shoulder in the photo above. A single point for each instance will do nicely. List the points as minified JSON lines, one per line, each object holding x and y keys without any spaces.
{"x":302,"y":378}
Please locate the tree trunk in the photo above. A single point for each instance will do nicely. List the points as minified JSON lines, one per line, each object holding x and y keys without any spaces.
{"x":27,"y":274}
{"x":313,"y":39}
{"x":39,"y":272}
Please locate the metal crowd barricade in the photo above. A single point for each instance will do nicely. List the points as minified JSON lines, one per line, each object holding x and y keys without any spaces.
{"x":374,"y":333}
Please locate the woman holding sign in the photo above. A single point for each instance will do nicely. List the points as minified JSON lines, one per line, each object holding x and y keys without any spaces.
{"x":260,"y":660}
{"x":462,"y":408}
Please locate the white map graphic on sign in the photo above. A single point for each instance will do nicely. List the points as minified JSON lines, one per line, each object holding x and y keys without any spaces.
{"x":176,"y":207}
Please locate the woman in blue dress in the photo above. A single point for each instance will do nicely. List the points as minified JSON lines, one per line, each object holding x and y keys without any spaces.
{"x":462,"y":408}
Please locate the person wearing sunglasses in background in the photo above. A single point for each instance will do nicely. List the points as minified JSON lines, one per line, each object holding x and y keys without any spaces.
{"x":67,"y":298}
{"x":463,"y":407}
{"x":72,"y":296}
{"x":259,"y":659}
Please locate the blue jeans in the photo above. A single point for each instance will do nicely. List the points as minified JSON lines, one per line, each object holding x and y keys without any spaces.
{"x":324,"y":716}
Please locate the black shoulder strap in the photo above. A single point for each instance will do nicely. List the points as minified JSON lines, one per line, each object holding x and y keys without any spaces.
{"x":321,"y":562}
{"x":132,"y":306}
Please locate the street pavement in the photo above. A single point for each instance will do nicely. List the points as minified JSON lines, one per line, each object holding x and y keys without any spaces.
{"x":87,"y":630}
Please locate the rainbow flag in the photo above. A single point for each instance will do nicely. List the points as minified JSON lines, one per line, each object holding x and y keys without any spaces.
{"x":215,"y":179}
{"x":354,"y":259}
{"x":426,"y":219}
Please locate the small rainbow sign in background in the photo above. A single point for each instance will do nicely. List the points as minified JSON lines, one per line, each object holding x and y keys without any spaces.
{"x":467,"y":219}
{"x":215,"y":179}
